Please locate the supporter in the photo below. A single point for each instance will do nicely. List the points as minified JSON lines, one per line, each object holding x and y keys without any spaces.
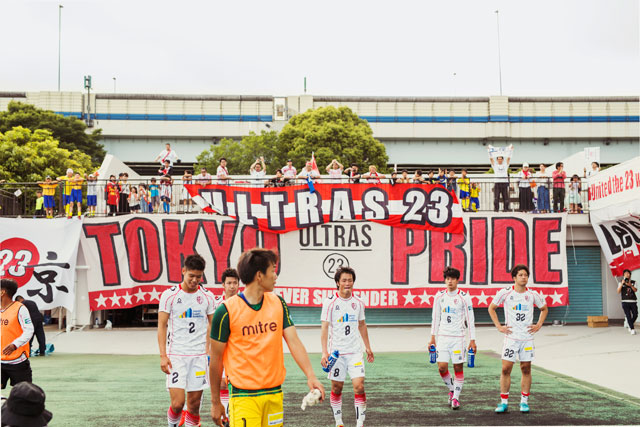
{"x":501,"y":186}
{"x":334,"y":169}
{"x":67,"y":199}
{"x":278,"y":181}
{"x":394,"y":178}
{"x":442,"y":177}
{"x":463,"y":183}
{"x":165,"y":194}
{"x":431,"y":179}
{"x":39,"y":212}
{"x":125,"y":190}
{"x":404,"y":177}
{"x":373,"y":177}
{"x":525,"y":195}
{"x":166,"y":169}
{"x":92,"y":193}
{"x":451,"y":182}
{"x":204,"y":178}
{"x":76,"y":195}
{"x":289,"y":171}
{"x":185,"y":197}
{"x":309,"y":172}
{"x":627,"y":289}
{"x":354,"y":175}
{"x":144,"y":198}
{"x":25,"y":407}
{"x":418,"y":178}
{"x":574,"y":194}
{"x":559,"y":176}
{"x":49,"y":191}
{"x":258,"y":172}
{"x":154,"y":195}
{"x":474,"y":199}
{"x":167,"y":155}
{"x":542,"y":182}
{"x":595,"y":168}
{"x":222,"y":172}
{"x":134,"y":200}
{"x":112,"y":192}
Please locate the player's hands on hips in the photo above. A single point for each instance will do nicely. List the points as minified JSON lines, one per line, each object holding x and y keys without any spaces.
{"x":505,"y":329}
{"x":217,"y":414}
{"x":472,"y":345}
{"x":165,"y":364}
{"x":369,"y":355}
{"x":314,"y":383}
{"x":9,"y":349}
{"x":325,"y":359}
{"x":534,"y":328}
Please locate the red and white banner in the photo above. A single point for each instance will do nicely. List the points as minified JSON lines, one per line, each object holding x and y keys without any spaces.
{"x":614,"y":205}
{"x":40,"y":255}
{"x":285,"y":209}
{"x":133,"y":259}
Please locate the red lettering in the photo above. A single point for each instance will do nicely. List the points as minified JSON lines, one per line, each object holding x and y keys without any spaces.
{"x":141,"y":238}
{"x":510,"y":247}
{"x":543,"y":248}
{"x":478,"y":244}
{"x":182,"y":244}
{"x":104,"y":233}
{"x":220,"y":243}
{"x":445,"y":249}
{"x":405,"y":243}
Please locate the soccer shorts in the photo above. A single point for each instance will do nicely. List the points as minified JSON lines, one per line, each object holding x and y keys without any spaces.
{"x":475,"y":203}
{"x":511,"y":348}
{"x":49,"y":202}
{"x":67,"y":199}
{"x":451,"y":348}
{"x":351,"y":363}
{"x":464,"y":194}
{"x":255,"y":408}
{"x":190,"y":373}
{"x":76,"y":196}
{"x":92,"y":200}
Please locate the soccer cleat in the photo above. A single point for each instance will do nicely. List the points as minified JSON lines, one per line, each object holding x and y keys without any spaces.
{"x":455,"y":404}
{"x":501,"y":408}
{"x":524,"y":407}
{"x":633,"y":332}
{"x":182,"y":418}
{"x":450,"y":397}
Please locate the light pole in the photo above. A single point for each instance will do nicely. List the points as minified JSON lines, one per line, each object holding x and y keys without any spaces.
{"x":499,"y":59}
{"x":114,"y":85}
{"x":59,"y":40}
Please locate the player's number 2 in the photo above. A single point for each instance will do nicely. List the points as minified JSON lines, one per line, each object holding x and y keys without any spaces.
{"x":520,"y":317}
{"x":192,"y":327}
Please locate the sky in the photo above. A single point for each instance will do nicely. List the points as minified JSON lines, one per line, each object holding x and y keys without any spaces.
{"x":347,"y":47}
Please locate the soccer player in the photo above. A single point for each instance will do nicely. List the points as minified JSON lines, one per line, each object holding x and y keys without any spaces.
{"x":452,"y":314}
{"x":17,"y":330}
{"x":518,"y":332}
{"x":247,"y":333}
{"x":343,"y":313}
{"x":187,"y":310}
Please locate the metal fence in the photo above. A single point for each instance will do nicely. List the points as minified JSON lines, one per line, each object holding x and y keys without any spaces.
{"x":19,"y":199}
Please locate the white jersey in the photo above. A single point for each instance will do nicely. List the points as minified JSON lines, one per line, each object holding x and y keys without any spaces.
{"x":188,"y":321}
{"x":518,"y":311}
{"x":343,"y":316}
{"x":452,"y":313}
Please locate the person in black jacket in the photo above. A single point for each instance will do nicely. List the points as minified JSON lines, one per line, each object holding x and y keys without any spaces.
{"x":627,"y":290}
{"x":36,"y":319}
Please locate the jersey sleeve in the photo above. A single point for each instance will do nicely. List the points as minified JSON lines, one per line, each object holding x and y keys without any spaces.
{"x":220,"y":329}
{"x":27,"y":327}
{"x":286,"y":317}
{"x":324,"y":316}
{"x":211,"y":303}
{"x":538,"y":300}
{"x":470,"y":317}
{"x":163,"y":305}
{"x":435,"y":315}
{"x":361,"y":312}
{"x":499,"y":298}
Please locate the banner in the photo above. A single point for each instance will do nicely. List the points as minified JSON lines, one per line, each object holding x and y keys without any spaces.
{"x":41,"y":256}
{"x":134,"y":259}
{"x":284,"y":209}
{"x":505,"y":152}
{"x":614,"y":206}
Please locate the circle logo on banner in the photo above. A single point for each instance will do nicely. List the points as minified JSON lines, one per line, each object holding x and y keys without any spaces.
{"x":16,"y":255}
{"x":332,"y":263}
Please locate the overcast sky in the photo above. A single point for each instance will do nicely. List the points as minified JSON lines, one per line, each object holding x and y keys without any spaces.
{"x":403,"y":48}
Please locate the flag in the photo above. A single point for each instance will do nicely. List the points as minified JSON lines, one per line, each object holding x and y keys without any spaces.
{"x":314,"y":165}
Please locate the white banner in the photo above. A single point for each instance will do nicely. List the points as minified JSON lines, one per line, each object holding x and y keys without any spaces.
{"x":495,"y":152}
{"x":133,"y":259}
{"x":40,"y":254}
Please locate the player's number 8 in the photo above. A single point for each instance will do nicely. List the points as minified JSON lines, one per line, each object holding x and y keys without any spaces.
{"x":347,"y":330}
{"x":448,"y":319}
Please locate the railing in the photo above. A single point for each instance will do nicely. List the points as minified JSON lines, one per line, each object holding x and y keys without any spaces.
{"x":19,"y":199}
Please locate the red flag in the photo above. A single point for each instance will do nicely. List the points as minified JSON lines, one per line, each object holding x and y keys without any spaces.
{"x":314,"y":165}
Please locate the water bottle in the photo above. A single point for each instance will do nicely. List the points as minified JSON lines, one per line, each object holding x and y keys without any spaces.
{"x":471,"y":361}
{"x":333,"y":357}
{"x":432,"y":353}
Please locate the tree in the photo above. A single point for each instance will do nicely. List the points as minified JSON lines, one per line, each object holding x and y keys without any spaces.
{"x":27,"y":156}
{"x":69,"y":131}
{"x":241,"y":155}
{"x":332,"y":133}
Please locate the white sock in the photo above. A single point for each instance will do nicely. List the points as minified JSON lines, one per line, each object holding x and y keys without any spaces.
{"x":457,"y":385}
{"x":360,"y":402}
{"x":172,"y":418}
{"x":336,"y":407}
{"x":524,"y":398}
{"x":448,"y":381}
{"x":504,"y":398}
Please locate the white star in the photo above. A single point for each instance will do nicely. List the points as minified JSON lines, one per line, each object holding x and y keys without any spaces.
{"x":482,"y":298}
{"x":127,"y":298}
{"x":424,"y":298}
{"x":556,"y":297}
{"x":153,"y":295}
{"x":101,"y":301}
{"x":408,"y":298}
{"x":140,"y":295}
{"x":115,"y":300}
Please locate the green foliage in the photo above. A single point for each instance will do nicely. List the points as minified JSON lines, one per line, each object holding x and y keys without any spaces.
{"x":27,"y":156}
{"x":332,"y":133}
{"x":69,"y":131}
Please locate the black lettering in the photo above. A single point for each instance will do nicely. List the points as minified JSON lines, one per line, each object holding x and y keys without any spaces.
{"x":338,"y":235}
{"x":367,"y":241}
{"x":248,"y":330}
{"x":273,"y":326}
{"x":326,"y":228}
{"x":622,"y":234}
{"x":613,"y":246}
{"x":353,"y":236}
{"x":304,"y":237}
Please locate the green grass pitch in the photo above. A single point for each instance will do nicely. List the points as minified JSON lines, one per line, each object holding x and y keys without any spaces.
{"x":402,"y":389}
